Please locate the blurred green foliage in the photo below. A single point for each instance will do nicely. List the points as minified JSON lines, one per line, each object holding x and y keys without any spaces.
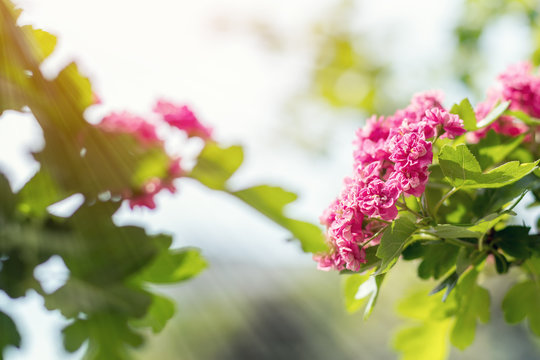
{"x":109,"y":295}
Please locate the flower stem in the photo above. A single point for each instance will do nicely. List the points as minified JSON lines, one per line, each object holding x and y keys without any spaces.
{"x":374,"y":236}
{"x":404,"y":206}
{"x":443,"y":199}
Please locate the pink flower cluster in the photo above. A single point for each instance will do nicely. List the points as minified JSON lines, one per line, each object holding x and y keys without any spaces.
{"x":145,"y":133}
{"x":182,"y":118}
{"x":124,"y":122}
{"x":391,"y":158}
{"x":519,"y":86}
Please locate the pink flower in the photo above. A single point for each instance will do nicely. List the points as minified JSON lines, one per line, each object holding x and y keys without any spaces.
{"x":325,"y":262}
{"x":328,"y":216}
{"x":146,"y":198}
{"x":332,"y":261}
{"x":427,"y":100}
{"x":521,"y":88}
{"x":175,"y":169}
{"x":506,"y":125}
{"x":410,"y":150}
{"x":411,"y":180}
{"x":352,"y":255}
{"x":379,"y":198}
{"x":125,"y":122}
{"x":182,"y":118}
{"x":366,"y":174}
{"x":451,"y":123}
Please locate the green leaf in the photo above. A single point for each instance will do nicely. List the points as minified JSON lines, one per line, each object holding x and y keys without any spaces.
{"x":437,"y":260}
{"x":375,"y":283}
{"x":172,"y":266}
{"x":7,"y":198}
{"x":38,"y":193}
{"x":529,"y":120}
{"x":43,"y":42}
{"x":466,"y":257}
{"x":116,"y":252}
{"x":414,"y":251}
{"x":160,"y":312}
{"x":9,"y":335}
{"x":360,"y":290}
{"x":466,"y":113}
{"x":501,"y":263}
{"x":448,"y":231}
{"x":108,"y":336}
{"x":448,"y":283}
{"x":423,"y":342}
{"x":425,"y":338}
{"x":70,"y":81}
{"x":516,"y":241}
{"x":79,"y":296}
{"x":75,"y":334}
{"x":493,"y":200}
{"x":476,"y":231}
{"x":270,"y":201}
{"x":493,"y":114}
{"x":494,"y":148}
{"x":472,"y":304}
{"x":98,"y":162}
{"x":17,"y":271}
{"x":463,"y":171}
{"x":522,"y":301}
{"x":393,"y":241}
{"x":351,"y":284}
{"x":215,"y":165}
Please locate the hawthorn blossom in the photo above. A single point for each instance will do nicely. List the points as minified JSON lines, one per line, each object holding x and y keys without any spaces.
{"x":521,"y":87}
{"x":410,"y":150}
{"x":145,"y":132}
{"x":391,"y":157}
{"x":146,"y":197}
{"x":379,"y":199}
{"x":451,"y":123}
{"x":124,"y":122}
{"x":182,"y":118}
{"x":411,"y":180}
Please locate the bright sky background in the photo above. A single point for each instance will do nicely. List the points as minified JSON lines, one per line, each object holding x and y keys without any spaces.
{"x":135,"y":51}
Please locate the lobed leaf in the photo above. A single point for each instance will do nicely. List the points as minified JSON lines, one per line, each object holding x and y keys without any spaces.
{"x":494,"y":148}
{"x":466,"y":113}
{"x":215,"y":165}
{"x":393,"y":241}
{"x":159,"y":313}
{"x":270,"y":201}
{"x":472,"y":304}
{"x":426,"y":336}
{"x":462,"y":170}
{"x":521,"y":302}
{"x":172,"y":266}
{"x":351,"y":284}
{"x":438,"y":259}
